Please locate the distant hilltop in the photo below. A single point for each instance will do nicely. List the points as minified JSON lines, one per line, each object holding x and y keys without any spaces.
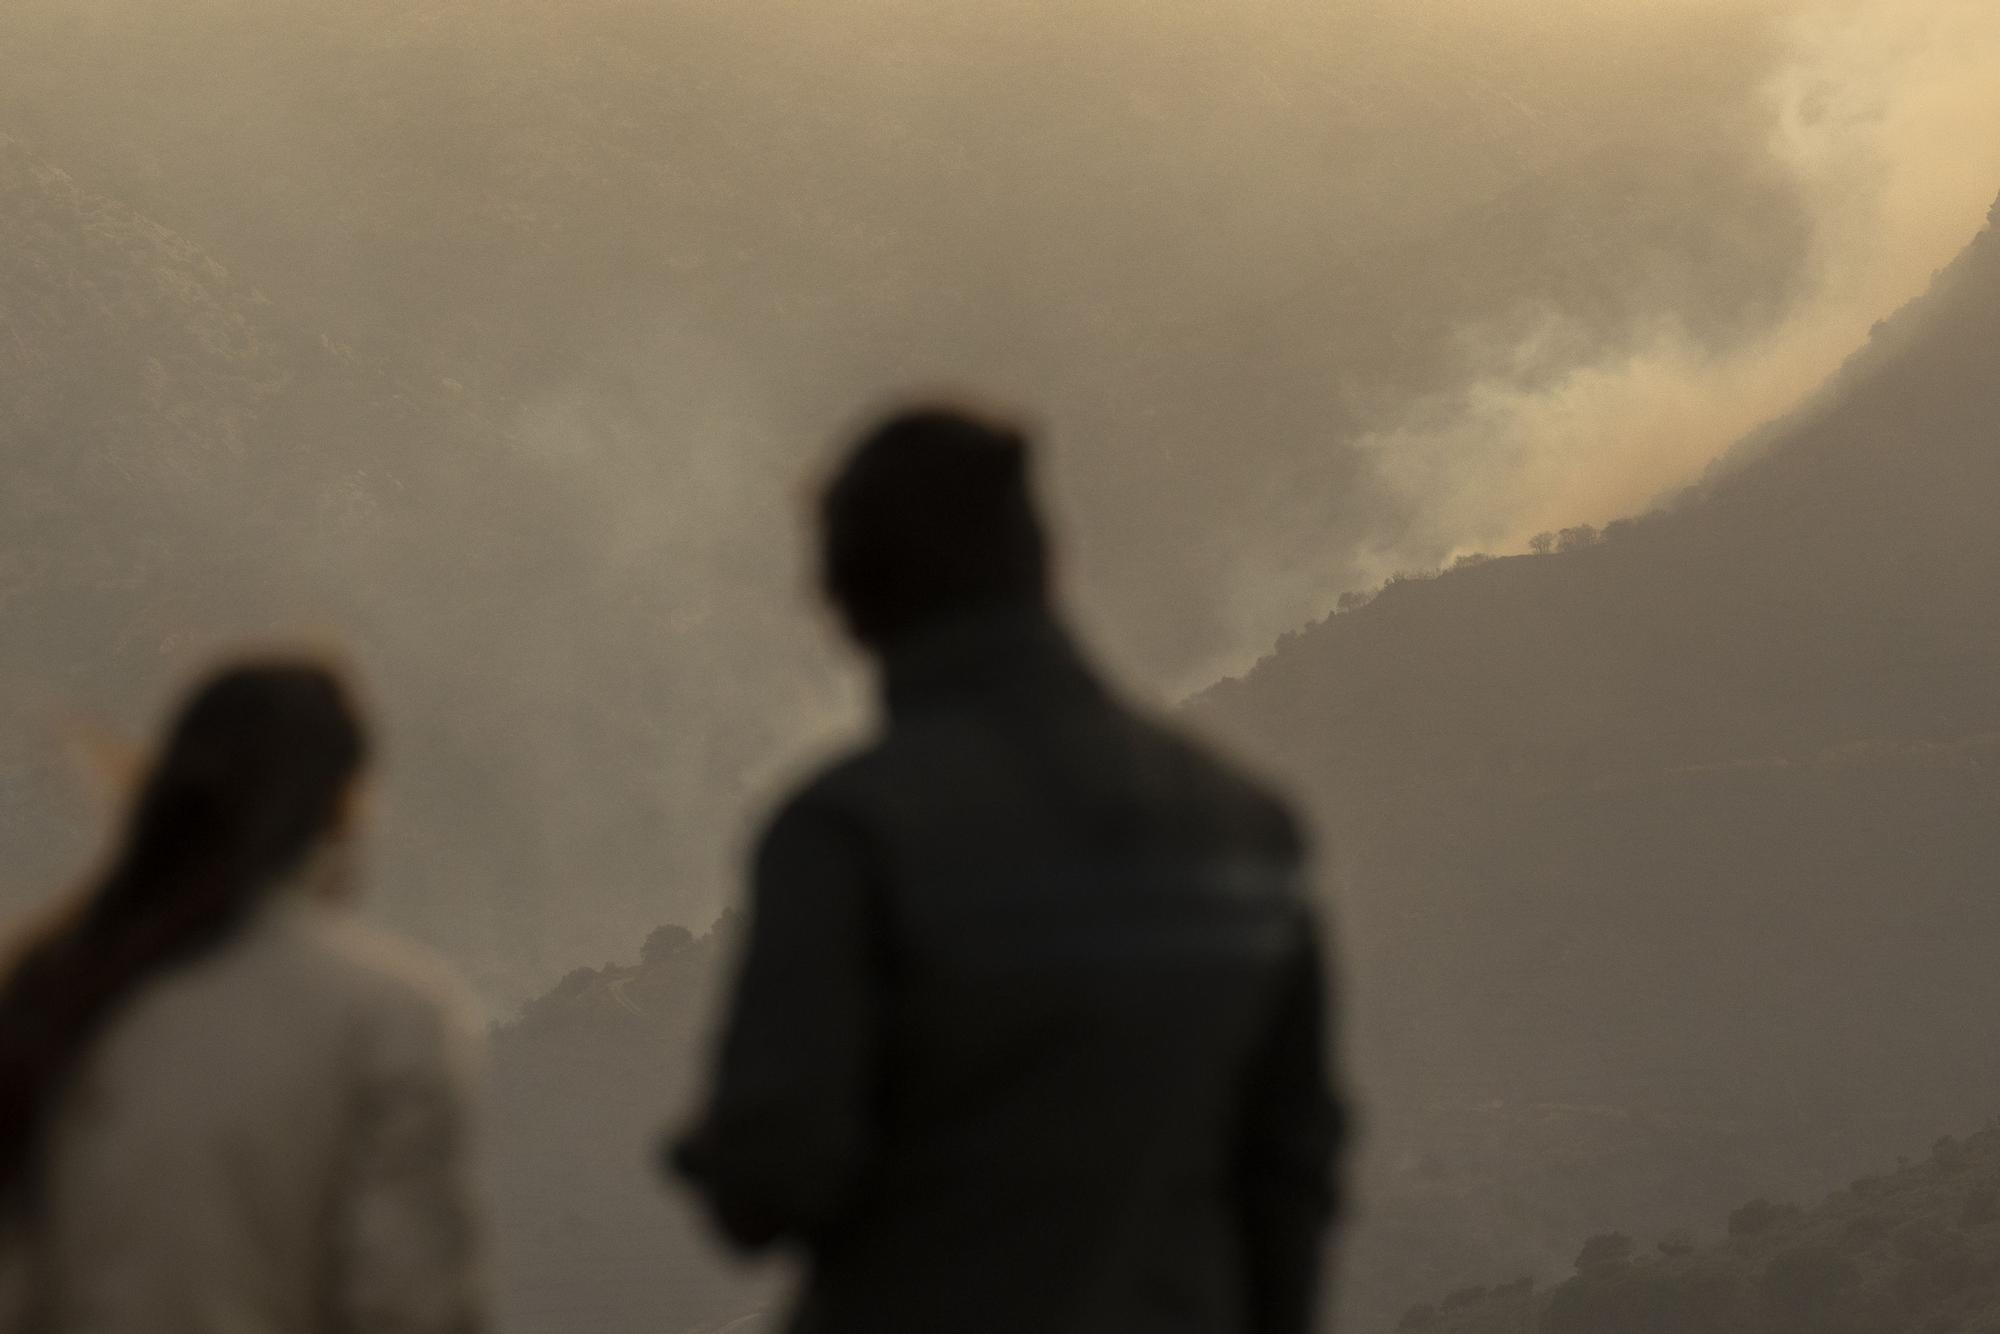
{"x":1910,"y":1250}
{"x":1697,"y":816}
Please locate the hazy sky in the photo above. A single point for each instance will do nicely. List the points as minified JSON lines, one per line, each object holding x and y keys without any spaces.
{"x":1141,"y":249}
{"x":1304,"y":294}
{"x":1231,"y":444}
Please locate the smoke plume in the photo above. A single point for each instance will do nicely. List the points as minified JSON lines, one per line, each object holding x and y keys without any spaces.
{"x":1877,"y":118}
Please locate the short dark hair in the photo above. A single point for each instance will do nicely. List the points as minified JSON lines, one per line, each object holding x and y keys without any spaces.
{"x":932,"y":515}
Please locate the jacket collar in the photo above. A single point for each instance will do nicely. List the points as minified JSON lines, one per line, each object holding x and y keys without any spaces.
{"x":1002,"y":651}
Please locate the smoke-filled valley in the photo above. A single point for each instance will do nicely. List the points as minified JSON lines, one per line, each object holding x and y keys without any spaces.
{"x":498,"y":343}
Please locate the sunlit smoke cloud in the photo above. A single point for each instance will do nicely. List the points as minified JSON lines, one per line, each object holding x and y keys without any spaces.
{"x":680,"y":467}
{"x":1209,"y":245}
{"x":1882,"y":116}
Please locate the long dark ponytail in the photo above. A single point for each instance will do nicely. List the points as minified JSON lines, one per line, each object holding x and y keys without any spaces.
{"x":254,"y":771}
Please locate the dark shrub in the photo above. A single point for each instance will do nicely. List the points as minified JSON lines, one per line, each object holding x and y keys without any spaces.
{"x":667,"y":942}
{"x":1639,"y":1299}
{"x":1464,"y":1297}
{"x":1758,"y":1216}
{"x":1676,"y":1244}
{"x":1604,"y":1251}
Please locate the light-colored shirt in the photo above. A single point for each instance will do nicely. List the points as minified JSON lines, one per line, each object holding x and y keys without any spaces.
{"x":273,"y":1139}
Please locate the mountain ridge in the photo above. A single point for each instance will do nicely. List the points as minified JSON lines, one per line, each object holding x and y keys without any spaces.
{"x":1697,"y":816}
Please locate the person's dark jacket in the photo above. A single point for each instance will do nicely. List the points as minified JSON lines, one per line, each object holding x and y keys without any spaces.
{"x":1029,"y":1034}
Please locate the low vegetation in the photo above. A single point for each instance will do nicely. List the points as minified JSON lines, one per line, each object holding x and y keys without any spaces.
{"x":1913,"y":1251}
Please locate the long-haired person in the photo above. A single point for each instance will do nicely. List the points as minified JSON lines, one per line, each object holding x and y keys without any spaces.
{"x":225,"y":1105}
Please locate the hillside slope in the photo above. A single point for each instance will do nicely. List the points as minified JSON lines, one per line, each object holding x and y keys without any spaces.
{"x":1694,"y":824}
{"x":1665,"y":869}
{"x":1905,"y":1252}
{"x":588,"y":1078}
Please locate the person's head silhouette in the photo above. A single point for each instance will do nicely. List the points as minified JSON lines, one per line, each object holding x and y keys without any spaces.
{"x":255,"y":778}
{"x":932,"y":518}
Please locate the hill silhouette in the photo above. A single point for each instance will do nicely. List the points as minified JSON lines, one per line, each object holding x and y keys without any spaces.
{"x":587,"y":1077}
{"x":1909,"y":1250}
{"x":1664,"y":867}
{"x":1664,"y":861}
{"x":1694,"y":821}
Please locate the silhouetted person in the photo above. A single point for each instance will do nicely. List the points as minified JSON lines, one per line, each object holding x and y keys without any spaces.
{"x":224,"y":1104}
{"x":1028,"y":1036}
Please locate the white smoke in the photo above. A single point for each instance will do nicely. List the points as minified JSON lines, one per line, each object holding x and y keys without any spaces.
{"x":1882,"y":117}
